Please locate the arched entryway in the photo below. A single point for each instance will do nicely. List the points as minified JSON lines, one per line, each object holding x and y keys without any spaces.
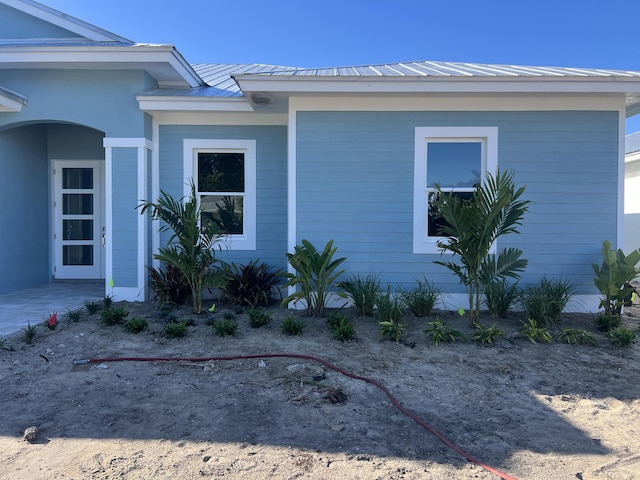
{"x":51,"y":190}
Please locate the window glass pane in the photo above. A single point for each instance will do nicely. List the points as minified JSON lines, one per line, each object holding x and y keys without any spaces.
{"x":77,"y":229}
{"x":80,"y":178}
{"x":221,"y":172}
{"x":77,"y":254}
{"x":435,"y":221}
{"x":225,"y":211}
{"x":77,"y":204}
{"x":454,"y":164}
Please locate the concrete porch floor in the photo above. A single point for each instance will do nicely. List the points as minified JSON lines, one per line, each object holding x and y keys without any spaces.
{"x":34,"y":305}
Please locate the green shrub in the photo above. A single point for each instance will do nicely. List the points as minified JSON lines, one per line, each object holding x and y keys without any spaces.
{"x":613,"y":277}
{"x":577,"y":336}
{"x":390,"y":312}
{"x":135,"y":325}
{"x":315,"y":274}
{"x":74,"y":315}
{"x":392,"y":330}
{"x":258,"y":317}
{"x":499,"y":295}
{"x":29,"y":333}
{"x":422,"y":299}
{"x":169,"y":285}
{"x":107,"y":301}
{"x":92,"y":306}
{"x":176,"y":330}
{"x":545,"y":301}
{"x":605,"y":322}
{"x":113,"y":316}
{"x":253,"y":285}
{"x":292,"y":326}
{"x":484,"y":334}
{"x":363,"y":292}
{"x":341,"y":327}
{"x":227,"y":326}
{"x":390,"y":307}
{"x":534,"y":332}
{"x":439,"y":331}
{"x":622,"y":337}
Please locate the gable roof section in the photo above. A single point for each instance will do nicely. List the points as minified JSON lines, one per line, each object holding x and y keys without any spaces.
{"x":44,"y":18}
{"x":52,"y":39}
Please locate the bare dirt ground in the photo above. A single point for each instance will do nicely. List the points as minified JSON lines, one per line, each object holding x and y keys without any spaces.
{"x":553,"y":411}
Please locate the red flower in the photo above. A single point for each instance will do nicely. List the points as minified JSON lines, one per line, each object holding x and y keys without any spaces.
{"x":53,"y":320}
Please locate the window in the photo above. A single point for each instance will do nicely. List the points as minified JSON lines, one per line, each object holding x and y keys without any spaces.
{"x":224,"y":173}
{"x":457,"y":159}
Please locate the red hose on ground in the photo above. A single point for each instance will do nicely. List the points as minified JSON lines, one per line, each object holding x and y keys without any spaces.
{"x":386,"y":391}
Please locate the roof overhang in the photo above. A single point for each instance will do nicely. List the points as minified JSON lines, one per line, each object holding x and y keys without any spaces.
{"x":11,"y":101}
{"x":162,"y":62}
{"x":277,"y":87}
{"x":158,"y":103}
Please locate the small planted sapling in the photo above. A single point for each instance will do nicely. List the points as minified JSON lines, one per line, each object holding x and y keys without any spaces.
{"x":613,"y":277}
{"x":314,"y":275}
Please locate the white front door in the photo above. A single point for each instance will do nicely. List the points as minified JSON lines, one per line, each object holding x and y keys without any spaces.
{"x":78,"y":230}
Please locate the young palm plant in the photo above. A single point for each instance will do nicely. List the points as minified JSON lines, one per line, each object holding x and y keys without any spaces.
{"x":315,"y":275}
{"x":191,"y":246}
{"x":471,"y":228}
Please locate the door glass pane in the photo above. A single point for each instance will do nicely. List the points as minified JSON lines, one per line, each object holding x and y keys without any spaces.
{"x":77,"y":178}
{"x":224,"y":211}
{"x":77,"y":229}
{"x":77,"y":204}
{"x":454,"y":164}
{"x":77,"y":254}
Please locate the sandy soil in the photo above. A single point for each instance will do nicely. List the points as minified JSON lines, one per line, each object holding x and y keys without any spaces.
{"x":553,"y":411}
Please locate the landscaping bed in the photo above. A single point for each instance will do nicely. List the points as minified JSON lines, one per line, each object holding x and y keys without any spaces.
{"x":534,"y":411}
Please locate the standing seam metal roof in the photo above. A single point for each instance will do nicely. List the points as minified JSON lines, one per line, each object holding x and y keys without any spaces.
{"x":220,"y":76}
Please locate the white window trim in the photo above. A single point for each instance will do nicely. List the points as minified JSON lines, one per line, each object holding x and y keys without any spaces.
{"x":191,"y":148}
{"x":423,"y":136}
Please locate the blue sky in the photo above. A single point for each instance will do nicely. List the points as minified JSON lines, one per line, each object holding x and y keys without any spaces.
{"x":568,"y":33}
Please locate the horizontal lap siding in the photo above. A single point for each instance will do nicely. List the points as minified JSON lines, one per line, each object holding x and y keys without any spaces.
{"x":355,"y":186}
{"x":271,"y":182}
{"x":125,"y":217}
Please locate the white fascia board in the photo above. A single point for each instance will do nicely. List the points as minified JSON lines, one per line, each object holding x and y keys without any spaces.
{"x":219,"y":118}
{"x":460,"y":102}
{"x":65,"y":21}
{"x":90,"y":56}
{"x":255,"y":83}
{"x":11,"y":101}
{"x":193,"y":104}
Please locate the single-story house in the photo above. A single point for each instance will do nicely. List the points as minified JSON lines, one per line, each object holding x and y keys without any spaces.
{"x":632,"y":193}
{"x":91,"y":123}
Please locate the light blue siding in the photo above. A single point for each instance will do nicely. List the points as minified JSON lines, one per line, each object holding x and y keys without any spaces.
{"x":125,"y":217}
{"x":271,"y":182}
{"x":24,"y":208}
{"x":104,"y":100}
{"x":355,"y":185}
{"x":18,"y":25}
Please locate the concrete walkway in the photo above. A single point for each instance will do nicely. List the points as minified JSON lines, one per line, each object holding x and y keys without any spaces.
{"x":34,"y":305}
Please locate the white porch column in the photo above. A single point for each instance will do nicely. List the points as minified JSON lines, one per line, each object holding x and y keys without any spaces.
{"x":126,"y":161}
